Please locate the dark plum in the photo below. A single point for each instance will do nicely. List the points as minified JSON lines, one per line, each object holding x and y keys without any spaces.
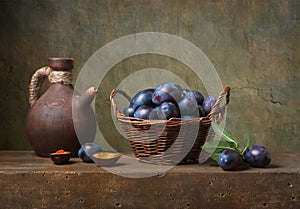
{"x":83,"y":156}
{"x":170,"y":110}
{"x":188,"y":105}
{"x":142,"y":112}
{"x":208,"y":103}
{"x":257,"y":156}
{"x":157,"y":114}
{"x":201,"y":111}
{"x":198,"y":96}
{"x":184,"y":92}
{"x":167,"y":92}
{"x":87,"y":150}
{"x":229,"y":160}
{"x":143,"y":97}
{"x":128,"y":111}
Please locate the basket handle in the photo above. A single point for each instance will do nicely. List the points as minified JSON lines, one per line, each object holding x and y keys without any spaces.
{"x":113,"y":94}
{"x":217,"y":111}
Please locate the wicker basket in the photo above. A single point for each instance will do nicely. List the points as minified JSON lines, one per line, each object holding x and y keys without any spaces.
{"x":169,"y":142}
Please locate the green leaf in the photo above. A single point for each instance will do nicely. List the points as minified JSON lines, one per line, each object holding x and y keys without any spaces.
{"x":211,"y":144}
{"x":216,"y":154}
{"x":212,"y":147}
{"x":214,"y":163}
{"x":228,"y":145}
{"x":224,"y":135}
{"x":227,"y":141}
{"x":208,"y":147}
{"x":246,"y":140}
{"x":246,"y":143}
{"x":229,"y":134}
{"x":216,"y":147}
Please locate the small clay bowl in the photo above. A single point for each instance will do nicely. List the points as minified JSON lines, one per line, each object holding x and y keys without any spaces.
{"x":60,"y":158}
{"x":106,"y":159}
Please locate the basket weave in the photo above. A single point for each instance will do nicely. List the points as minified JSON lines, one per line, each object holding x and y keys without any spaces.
{"x":169,"y":142}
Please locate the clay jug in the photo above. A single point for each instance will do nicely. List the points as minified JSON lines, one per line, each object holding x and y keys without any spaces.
{"x":51,"y":119}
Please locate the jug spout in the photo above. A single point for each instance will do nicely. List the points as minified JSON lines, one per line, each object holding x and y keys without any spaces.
{"x":87,"y":97}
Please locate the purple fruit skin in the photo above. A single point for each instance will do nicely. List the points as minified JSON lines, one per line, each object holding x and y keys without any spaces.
{"x":257,"y":156}
{"x":157,"y":114}
{"x":167,"y":92}
{"x":208,"y":103}
{"x":128,"y":111}
{"x":201,"y":111}
{"x":87,"y":150}
{"x":142,"y":112}
{"x":229,"y":160}
{"x":83,"y":156}
{"x":171,"y":84}
{"x":184,"y":92}
{"x":143,"y":97}
{"x":188,"y":105}
{"x":170,"y":110}
{"x":198,"y":96}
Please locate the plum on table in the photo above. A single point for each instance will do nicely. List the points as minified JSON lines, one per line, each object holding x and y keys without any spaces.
{"x":229,"y":160}
{"x":87,"y":150}
{"x":257,"y":156}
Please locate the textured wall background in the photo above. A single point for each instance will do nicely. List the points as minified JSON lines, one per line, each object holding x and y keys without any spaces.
{"x":254,"y":45}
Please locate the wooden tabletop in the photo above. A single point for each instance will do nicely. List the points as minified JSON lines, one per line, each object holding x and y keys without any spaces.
{"x":28,"y":181}
{"x":27,"y":161}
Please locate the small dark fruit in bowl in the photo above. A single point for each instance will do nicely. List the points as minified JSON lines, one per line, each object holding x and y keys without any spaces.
{"x":128,"y":111}
{"x":142,"y":112}
{"x":142,"y":98}
{"x":229,"y":160}
{"x":167,"y":92}
{"x":87,"y":150}
{"x":257,"y":156}
{"x":208,"y":103}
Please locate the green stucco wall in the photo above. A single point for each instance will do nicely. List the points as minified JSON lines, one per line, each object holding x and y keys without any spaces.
{"x":254,"y":46}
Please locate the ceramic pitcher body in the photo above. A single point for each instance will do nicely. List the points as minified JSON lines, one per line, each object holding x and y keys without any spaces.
{"x":51,"y":119}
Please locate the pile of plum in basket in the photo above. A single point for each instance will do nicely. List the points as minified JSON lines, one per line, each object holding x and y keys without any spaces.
{"x":168,"y":124}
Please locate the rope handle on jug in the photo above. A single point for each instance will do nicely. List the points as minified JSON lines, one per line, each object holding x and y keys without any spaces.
{"x":63,"y":77}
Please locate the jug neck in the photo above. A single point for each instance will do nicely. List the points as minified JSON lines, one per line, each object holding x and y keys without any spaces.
{"x":61,"y":63}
